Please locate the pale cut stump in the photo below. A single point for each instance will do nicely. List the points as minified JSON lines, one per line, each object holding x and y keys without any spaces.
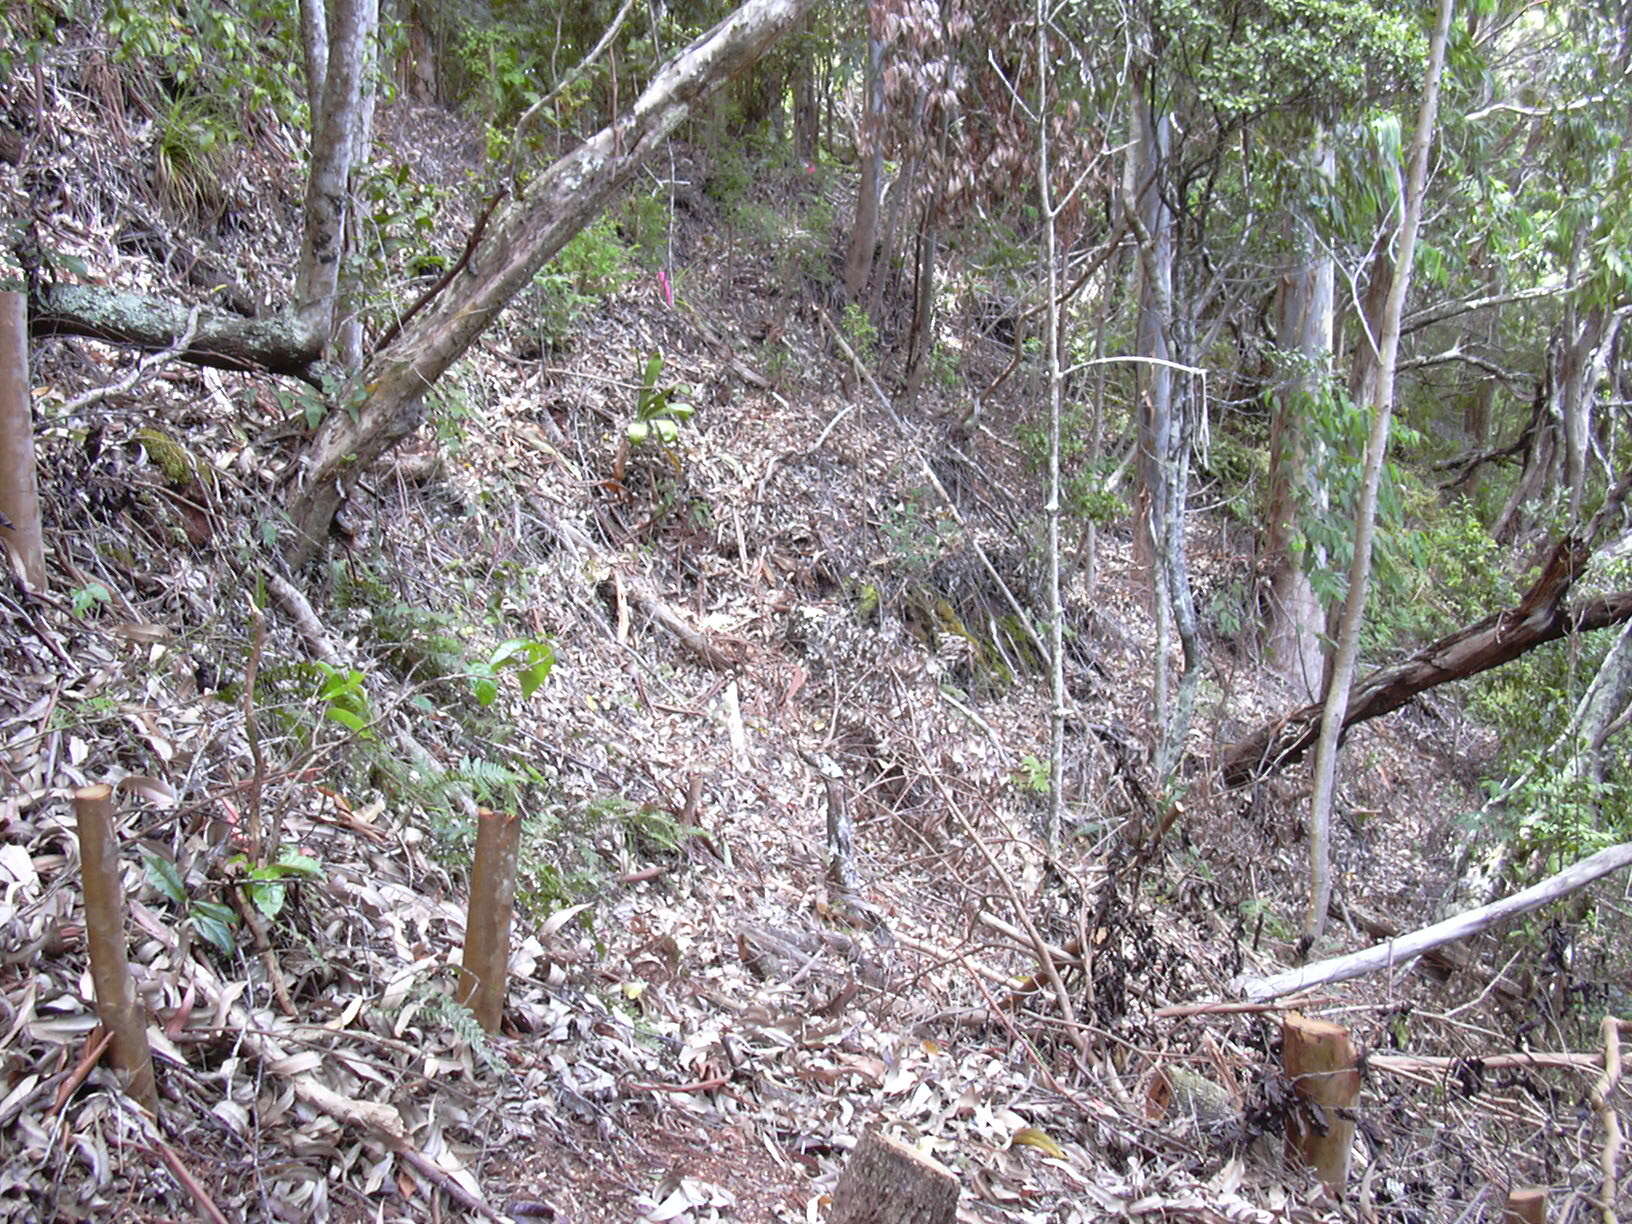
{"x":886,"y":1182}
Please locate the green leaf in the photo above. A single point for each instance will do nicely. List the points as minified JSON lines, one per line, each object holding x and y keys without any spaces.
{"x":638,"y":432}
{"x":533,"y":677}
{"x":346,"y":718}
{"x":163,"y":875}
{"x":215,"y":922}
{"x":485,"y":690}
{"x":268,"y":896}
{"x":292,"y":862}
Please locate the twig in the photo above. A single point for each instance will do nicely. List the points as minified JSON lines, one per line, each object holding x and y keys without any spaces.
{"x":556,"y":90}
{"x":397,"y":324}
{"x":76,"y":1077}
{"x":1040,"y":947}
{"x":189,"y":1183}
{"x":252,"y":729}
{"x":708,"y":1085}
{"x":141,"y":370}
{"x":263,"y":947}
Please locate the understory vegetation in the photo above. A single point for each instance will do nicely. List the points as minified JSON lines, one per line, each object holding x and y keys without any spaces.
{"x":891,"y":553}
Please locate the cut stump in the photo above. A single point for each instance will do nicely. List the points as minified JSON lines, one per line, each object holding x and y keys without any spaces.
{"x":1319,"y":1060}
{"x":1526,"y":1206}
{"x":887,"y":1182}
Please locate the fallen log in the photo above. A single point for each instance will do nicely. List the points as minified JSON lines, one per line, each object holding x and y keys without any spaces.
{"x":1540,"y":617}
{"x":1397,"y":952}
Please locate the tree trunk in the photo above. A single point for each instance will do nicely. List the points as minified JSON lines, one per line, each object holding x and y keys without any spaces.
{"x":1056,"y":407}
{"x":1578,"y":364}
{"x":1598,"y":715}
{"x":1539,"y":618}
{"x":858,"y":260}
{"x":349,"y":338}
{"x":1348,"y":638}
{"x":334,"y":133}
{"x":1295,"y":621}
{"x":1397,"y":953}
{"x":20,"y":528}
{"x":887,"y":1182}
{"x":807,"y":113}
{"x":384,"y":402}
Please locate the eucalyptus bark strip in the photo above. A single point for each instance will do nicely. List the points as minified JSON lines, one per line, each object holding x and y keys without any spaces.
{"x":486,"y":970}
{"x":121,"y":1012}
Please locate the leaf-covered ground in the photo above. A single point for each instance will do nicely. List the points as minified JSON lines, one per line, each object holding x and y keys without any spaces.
{"x":772,"y":619}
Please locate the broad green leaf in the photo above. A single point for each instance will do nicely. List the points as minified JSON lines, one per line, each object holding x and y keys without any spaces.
{"x":164,"y":876}
{"x":346,"y":718}
{"x":268,"y":896}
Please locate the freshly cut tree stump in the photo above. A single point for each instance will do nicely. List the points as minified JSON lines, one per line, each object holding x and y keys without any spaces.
{"x":1526,"y":1206}
{"x":1319,"y":1060}
{"x":886,"y":1182}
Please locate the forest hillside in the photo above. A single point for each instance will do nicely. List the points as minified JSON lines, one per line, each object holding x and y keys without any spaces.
{"x":860,"y":613}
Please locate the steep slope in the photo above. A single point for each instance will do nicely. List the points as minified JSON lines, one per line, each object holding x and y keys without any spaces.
{"x":766,"y":629}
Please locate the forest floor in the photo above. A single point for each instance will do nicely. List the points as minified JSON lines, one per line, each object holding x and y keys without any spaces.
{"x":773,"y":618}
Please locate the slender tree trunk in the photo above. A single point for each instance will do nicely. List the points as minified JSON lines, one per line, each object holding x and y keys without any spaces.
{"x":1295,"y":620}
{"x":383,"y":403}
{"x":1348,"y":639}
{"x":858,"y":260}
{"x":334,"y":134}
{"x":20,"y":528}
{"x":1159,"y":434}
{"x":349,"y":335}
{"x":1056,"y":396}
{"x":921,"y":339}
{"x":807,"y":113}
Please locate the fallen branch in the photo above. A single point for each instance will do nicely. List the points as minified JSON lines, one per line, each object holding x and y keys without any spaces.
{"x":1399,"y":951}
{"x":1539,"y":618}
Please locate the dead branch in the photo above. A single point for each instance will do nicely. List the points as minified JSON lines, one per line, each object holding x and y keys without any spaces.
{"x":1398,"y":952}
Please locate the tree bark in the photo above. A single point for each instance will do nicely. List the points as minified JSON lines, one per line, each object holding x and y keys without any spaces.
{"x":383,"y":403}
{"x":1348,"y":636}
{"x":858,"y":259}
{"x":20,"y":529}
{"x":1294,"y":620}
{"x":222,"y":339}
{"x":1541,"y":617}
{"x":328,"y":185}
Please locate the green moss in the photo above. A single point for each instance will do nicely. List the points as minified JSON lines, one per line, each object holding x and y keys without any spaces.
{"x":180,"y":469}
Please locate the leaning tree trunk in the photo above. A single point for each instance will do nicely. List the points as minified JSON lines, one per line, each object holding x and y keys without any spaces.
{"x":1354,"y":605}
{"x":1540,"y":617}
{"x":384,"y":402}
